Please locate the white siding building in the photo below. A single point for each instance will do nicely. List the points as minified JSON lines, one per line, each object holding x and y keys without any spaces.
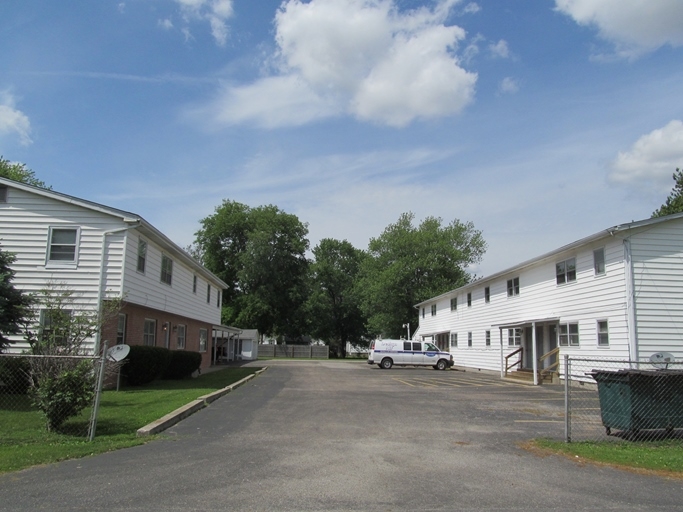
{"x":98,"y":252}
{"x":617,"y":293}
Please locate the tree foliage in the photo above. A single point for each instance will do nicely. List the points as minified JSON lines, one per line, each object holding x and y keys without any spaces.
{"x":15,"y":306}
{"x":334,"y":303}
{"x":260,"y":254}
{"x":19,"y":172}
{"x":409,"y":264}
{"x":673,"y":203}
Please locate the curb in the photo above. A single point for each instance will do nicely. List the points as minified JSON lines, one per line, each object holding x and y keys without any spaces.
{"x":189,"y":409}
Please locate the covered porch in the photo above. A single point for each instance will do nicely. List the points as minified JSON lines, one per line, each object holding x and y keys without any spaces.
{"x":530,"y":346}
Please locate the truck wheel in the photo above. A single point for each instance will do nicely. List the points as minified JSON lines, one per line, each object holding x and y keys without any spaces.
{"x":441,"y":365}
{"x":386,"y":363}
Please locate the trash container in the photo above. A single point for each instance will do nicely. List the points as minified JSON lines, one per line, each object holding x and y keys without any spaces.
{"x":636,"y":400}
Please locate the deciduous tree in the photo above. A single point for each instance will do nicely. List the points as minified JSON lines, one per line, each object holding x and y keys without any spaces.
{"x":19,"y":172}
{"x":674,"y":203}
{"x":409,"y":264}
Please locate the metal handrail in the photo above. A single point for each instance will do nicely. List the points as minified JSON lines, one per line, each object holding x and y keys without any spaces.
{"x":519,"y":351}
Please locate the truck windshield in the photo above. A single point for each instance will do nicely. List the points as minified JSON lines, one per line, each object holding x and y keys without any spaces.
{"x":431,"y":347}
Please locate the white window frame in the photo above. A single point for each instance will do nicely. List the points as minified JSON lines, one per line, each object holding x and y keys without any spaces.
{"x":203,"y":339}
{"x":469,"y":338}
{"x":487,"y":336}
{"x":181,"y":333}
{"x":599,"y":267}
{"x":121,"y":329}
{"x":514,"y":337}
{"x":142,"y":256}
{"x":568,"y":334}
{"x":149,"y":336}
{"x":454,"y":339}
{"x":433,"y":309}
{"x":513,"y":287}
{"x":194,"y":284}
{"x":65,"y":263}
{"x":454,"y":304}
{"x":487,"y":294}
{"x":166,"y":274}
{"x":469,"y":299}
{"x":208,"y":293}
{"x":562,"y":273}
{"x":602,"y":327}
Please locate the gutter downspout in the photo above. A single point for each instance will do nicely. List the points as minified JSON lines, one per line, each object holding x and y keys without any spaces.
{"x":100,"y":291}
{"x":631,"y":316}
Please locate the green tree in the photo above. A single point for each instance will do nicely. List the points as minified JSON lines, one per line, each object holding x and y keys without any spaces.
{"x":15,"y":306}
{"x":674,"y":203}
{"x":409,"y":264}
{"x":334,"y":303}
{"x":260,"y":253}
{"x":19,"y":172}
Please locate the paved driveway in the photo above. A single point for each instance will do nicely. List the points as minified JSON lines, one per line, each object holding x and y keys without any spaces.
{"x":345,"y":436}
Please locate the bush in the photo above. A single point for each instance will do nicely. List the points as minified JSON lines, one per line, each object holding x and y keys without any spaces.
{"x":66,"y":395}
{"x":14,"y":374}
{"x":182,"y":364}
{"x":145,"y":364}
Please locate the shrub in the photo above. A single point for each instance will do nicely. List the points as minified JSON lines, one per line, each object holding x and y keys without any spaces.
{"x":182,"y":364}
{"x":14,"y":374}
{"x":145,"y":364}
{"x":64,"y":396}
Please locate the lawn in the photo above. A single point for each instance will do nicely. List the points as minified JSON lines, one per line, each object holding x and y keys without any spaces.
{"x":664,"y":457}
{"x":24,"y":441}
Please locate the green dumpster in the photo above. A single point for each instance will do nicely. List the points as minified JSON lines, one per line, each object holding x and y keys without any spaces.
{"x":635,"y":400}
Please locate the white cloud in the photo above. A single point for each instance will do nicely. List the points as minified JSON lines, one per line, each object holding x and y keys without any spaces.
{"x":634,"y":26}
{"x":508,"y":85}
{"x":13,"y":120}
{"x":652,"y":159}
{"x":471,"y":8}
{"x":216,"y":12}
{"x":166,"y":24}
{"x":500,"y":49}
{"x":359,"y":57}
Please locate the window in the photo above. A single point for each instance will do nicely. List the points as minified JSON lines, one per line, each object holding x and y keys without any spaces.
{"x":180,"y":336}
{"x":203,"y":337}
{"x":3,"y":194}
{"x":166,"y":269}
{"x":603,"y":334}
{"x":488,"y":338}
{"x":433,"y":309}
{"x":454,"y":339}
{"x":62,"y":246}
{"x":408,"y":345}
{"x":469,"y":339}
{"x":194,"y":284}
{"x":423,"y":312}
{"x":208,"y":293}
{"x":55,"y":325}
{"x":454,"y":303}
{"x":599,"y":261}
{"x":514,"y":337}
{"x":218,"y":298}
{"x":142,"y":255}
{"x":565,"y":271}
{"x":569,"y":335}
{"x":513,"y":287}
{"x":149,"y":332}
{"x":487,"y":294}
{"x":469,"y":300}
{"x":121,"y":329}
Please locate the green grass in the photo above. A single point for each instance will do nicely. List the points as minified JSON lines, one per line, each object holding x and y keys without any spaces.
{"x":25,"y":442}
{"x":665,"y":457}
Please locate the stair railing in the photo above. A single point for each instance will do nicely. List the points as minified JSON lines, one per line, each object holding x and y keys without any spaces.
{"x":544,"y":372}
{"x":509,"y":365}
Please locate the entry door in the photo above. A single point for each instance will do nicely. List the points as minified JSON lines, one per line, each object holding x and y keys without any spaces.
{"x":539,"y":340}
{"x":552,"y":343}
{"x":528,"y":351}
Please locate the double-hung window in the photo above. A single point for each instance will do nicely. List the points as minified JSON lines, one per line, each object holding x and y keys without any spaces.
{"x":203,"y":337}
{"x":487,"y":294}
{"x":55,"y":326}
{"x":208,"y":293}
{"x":469,"y":300}
{"x":569,"y":335}
{"x":565,"y":271}
{"x":603,"y":333}
{"x":599,"y":261}
{"x":469,"y":339}
{"x":121,"y":329}
{"x":142,"y":255}
{"x":454,"y":339}
{"x":513,"y":287}
{"x":149,"y":332}
{"x":488,"y":338}
{"x":166,"y":269}
{"x":433,"y":309}
{"x":194,"y":284}
{"x":514,"y":337}
{"x":180,"y":336}
{"x":454,"y":303}
{"x":63,"y":245}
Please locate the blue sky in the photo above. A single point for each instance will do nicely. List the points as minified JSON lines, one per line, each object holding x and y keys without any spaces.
{"x":540,"y":122}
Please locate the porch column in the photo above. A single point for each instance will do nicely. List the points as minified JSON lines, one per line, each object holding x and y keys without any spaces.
{"x":502,"y":357}
{"x":533,"y":353}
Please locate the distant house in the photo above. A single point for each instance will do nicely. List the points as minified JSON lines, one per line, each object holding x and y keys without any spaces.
{"x":616,"y":294}
{"x":98,"y":251}
{"x":233,"y":344}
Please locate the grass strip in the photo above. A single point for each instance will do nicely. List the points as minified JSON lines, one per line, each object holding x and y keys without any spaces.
{"x":25,"y":442}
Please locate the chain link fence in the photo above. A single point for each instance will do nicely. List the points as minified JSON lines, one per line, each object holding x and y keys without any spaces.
{"x":610,"y":399}
{"x":48,"y":395}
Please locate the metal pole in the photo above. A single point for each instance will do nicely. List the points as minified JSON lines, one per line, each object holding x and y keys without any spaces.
{"x":567,"y":410}
{"x":98,"y":393}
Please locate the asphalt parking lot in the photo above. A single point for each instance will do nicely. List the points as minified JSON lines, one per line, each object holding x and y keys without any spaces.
{"x":337,"y":436}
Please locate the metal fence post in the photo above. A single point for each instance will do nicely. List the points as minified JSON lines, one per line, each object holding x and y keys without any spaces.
{"x":567,"y":408}
{"x":98,"y":393}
